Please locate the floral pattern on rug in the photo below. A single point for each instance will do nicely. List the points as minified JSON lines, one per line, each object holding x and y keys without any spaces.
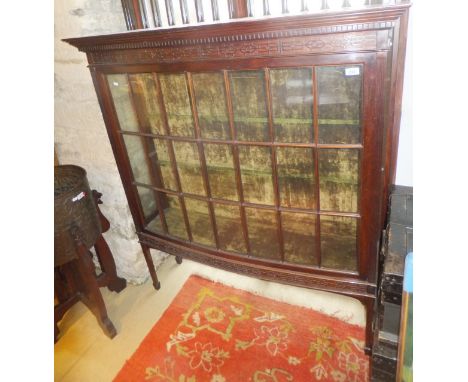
{"x":215,"y":333}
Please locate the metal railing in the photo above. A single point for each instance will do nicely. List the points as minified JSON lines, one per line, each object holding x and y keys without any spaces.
{"x":142,"y":14}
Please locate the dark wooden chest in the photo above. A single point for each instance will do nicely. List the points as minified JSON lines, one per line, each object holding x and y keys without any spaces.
{"x":396,"y":244}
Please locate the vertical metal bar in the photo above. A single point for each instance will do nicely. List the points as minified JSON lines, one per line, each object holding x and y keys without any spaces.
{"x":132,"y":14}
{"x":152,"y":166}
{"x":318,"y":248}
{"x":231,"y":9}
{"x":304,"y":7}
{"x":237,"y":9}
{"x":266,"y":8}
{"x":215,"y":10}
{"x":199,"y":11}
{"x":249,"y":8}
{"x":184,"y":11}
{"x":172,"y":154}
{"x":274,"y":166}
{"x":284,"y":6}
{"x":235,"y":152}
{"x":201,"y":154}
{"x":156,"y":13}
{"x":144,"y":15}
{"x":170,"y":12}
{"x":137,"y":11}
{"x":127,"y":15}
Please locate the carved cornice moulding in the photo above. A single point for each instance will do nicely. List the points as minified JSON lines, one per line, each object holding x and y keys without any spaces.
{"x":246,"y":30}
{"x":271,"y":35}
{"x":303,"y":45}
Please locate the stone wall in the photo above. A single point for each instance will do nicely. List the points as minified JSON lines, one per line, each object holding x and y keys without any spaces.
{"x":80,"y":133}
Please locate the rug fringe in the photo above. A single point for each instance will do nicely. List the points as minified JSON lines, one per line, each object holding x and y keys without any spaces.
{"x":308,"y":298}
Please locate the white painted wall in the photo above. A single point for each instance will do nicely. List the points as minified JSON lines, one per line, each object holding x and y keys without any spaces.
{"x":404,"y":173}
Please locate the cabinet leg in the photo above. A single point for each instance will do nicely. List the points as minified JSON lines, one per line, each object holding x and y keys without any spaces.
{"x":56,"y":332}
{"x":149,"y":263}
{"x":369,"y":326}
{"x":106,"y":260}
{"x":93,"y":298}
{"x":105,"y":225}
{"x":178,"y":259}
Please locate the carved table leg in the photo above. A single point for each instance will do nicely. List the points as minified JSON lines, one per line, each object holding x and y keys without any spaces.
{"x":56,"y":332}
{"x":178,"y":259}
{"x":369,"y":304}
{"x":106,"y":260}
{"x":65,"y":293}
{"x":93,"y":298}
{"x":149,"y":263}
{"x":61,"y":288}
{"x":104,"y":254}
{"x":105,"y":225}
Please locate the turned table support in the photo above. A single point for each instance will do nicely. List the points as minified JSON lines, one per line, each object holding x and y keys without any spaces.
{"x":92,"y":297}
{"x":104,"y":254}
{"x":76,"y":279}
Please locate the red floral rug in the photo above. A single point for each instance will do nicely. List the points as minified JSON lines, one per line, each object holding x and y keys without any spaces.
{"x":215,"y":333}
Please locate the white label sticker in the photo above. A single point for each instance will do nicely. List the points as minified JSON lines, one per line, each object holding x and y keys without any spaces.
{"x":352,"y":71}
{"x":80,"y":196}
{"x":115,"y":83}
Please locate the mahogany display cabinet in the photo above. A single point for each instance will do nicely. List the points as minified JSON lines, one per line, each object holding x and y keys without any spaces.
{"x":264,"y":147}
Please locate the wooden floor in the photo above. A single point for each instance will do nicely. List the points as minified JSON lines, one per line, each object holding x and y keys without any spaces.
{"x":83,"y":353}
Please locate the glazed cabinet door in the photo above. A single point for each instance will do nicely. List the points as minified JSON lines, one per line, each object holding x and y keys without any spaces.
{"x":276,"y":163}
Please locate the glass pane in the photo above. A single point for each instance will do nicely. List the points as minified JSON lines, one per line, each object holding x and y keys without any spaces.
{"x":296,"y":177}
{"x":148,"y":202}
{"x":200,"y":224}
{"x":146,"y":103}
{"x":339,"y":103}
{"x":228,"y":223}
{"x":299,"y":238}
{"x":338,"y":242}
{"x":120,"y":91}
{"x":221,"y":174}
{"x":188,"y":165}
{"x":211,"y":105}
{"x":155,"y":225}
{"x":263,"y":235}
{"x":177,"y":104}
{"x":339,"y":174}
{"x":256,"y":172}
{"x":249,"y":105}
{"x":174,"y":216}
{"x":292,"y":102}
{"x":138,"y":160}
{"x":164,"y":162}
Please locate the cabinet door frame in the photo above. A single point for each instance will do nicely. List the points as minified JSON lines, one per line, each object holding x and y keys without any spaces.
{"x":370,"y":185}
